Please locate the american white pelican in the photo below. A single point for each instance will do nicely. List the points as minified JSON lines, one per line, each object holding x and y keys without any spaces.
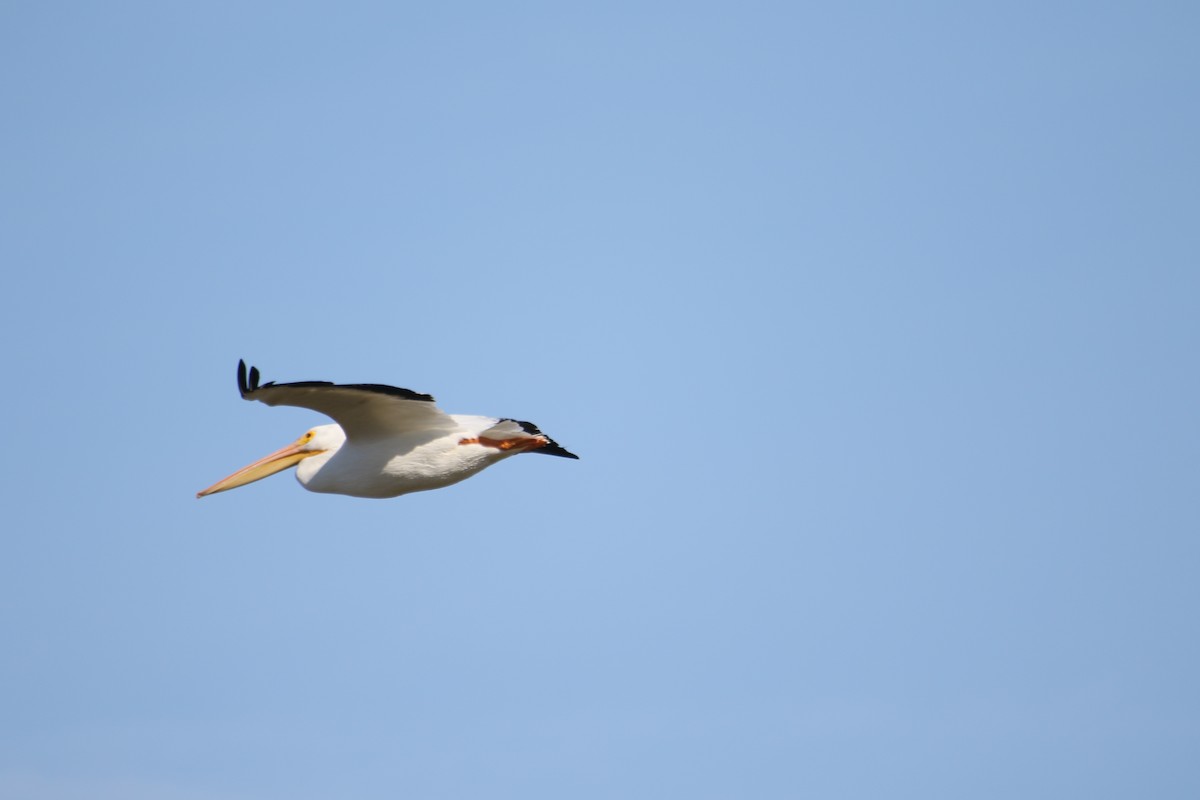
{"x":387,"y":441}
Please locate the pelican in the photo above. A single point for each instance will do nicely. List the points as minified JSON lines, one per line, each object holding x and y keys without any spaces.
{"x":385,"y":441}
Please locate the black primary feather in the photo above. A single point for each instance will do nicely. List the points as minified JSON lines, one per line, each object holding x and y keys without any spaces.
{"x":253,"y":386}
{"x":551,"y":448}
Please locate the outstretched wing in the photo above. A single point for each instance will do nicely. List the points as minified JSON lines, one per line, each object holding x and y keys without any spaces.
{"x":364,"y":410}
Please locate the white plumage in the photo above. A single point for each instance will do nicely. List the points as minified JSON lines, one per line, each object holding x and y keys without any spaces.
{"x":386,"y":441}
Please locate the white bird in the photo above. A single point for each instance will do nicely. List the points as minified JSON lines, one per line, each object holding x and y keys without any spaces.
{"x":387,"y":441}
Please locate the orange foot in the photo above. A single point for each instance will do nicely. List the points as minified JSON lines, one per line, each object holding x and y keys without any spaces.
{"x":523,"y":443}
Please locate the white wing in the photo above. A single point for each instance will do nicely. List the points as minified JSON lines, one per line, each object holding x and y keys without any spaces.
{"x":364,"y":410}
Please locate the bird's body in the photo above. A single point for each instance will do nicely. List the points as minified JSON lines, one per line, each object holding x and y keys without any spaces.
{"x":386,"y":441}
{"x":392,"y":466}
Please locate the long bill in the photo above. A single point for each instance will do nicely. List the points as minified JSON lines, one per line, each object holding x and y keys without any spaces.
{"x":263,"y":468}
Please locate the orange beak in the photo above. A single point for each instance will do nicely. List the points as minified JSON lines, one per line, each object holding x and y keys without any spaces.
{"x":263,"y":468}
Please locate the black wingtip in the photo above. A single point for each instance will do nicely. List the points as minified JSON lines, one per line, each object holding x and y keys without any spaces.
{"x":550,"y":448}
{"x":246,"y":384}
{"x":555,"y":449}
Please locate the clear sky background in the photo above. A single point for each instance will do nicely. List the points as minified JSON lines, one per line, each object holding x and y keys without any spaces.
{"x":874,"y":324}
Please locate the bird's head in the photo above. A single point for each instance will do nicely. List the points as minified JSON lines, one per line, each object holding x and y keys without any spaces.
{"x":323,"y":439}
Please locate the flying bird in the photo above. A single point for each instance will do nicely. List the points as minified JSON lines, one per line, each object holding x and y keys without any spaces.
{"x":385,"y":441}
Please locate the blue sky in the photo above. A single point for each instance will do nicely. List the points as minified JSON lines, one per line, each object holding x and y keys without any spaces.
{"x":875,"y":327}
